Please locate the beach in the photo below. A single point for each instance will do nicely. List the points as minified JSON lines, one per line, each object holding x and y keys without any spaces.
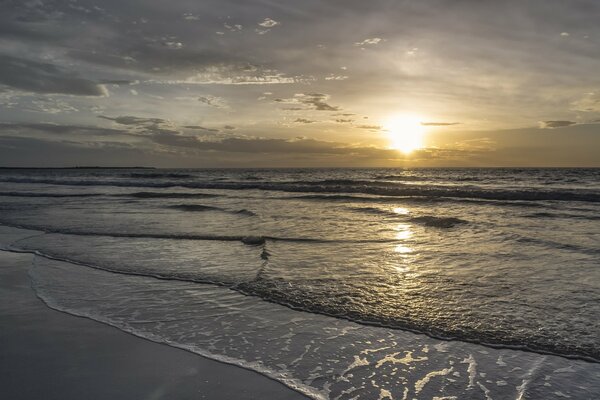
{"x":332,"y":200}
{"x":46,"y":354}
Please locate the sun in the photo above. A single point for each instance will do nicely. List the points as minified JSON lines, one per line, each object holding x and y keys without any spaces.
{"x":406,"y":132}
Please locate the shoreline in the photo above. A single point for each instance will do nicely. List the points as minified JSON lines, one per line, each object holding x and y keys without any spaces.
{"x":54,"y":355}
{"x":491,"y":345}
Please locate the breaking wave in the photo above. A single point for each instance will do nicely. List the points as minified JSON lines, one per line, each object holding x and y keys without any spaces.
{"x":348,"y":186}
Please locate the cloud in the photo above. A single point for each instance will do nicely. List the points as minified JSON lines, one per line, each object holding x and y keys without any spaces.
{"x":22,"y":145}
{"x":318,"y":101}
{"x":191,"y":17}
{"x":370,"y":127}
{"x":555,"y":124}
{"x":315,"y":101}
{"x":38,"y":77}
{"x":261,"y":145}
{"x":134,"y":121}
{"x":590,"y":102}
{"x":242,"y":74}
{"x":160,"y":56}
{"x":50,"y":105}
{"x":439,"y":123}
{"x":233,"y":28}
{"x":118,"y":82}
{"x":201,"y":128}
{"x":43,"y":152}
{"x":269,"y":23}
{"x":333,"y":77}
{"x":229,"y":127}
{"x":304,"y":121}
{"x":213,"y":101}
{"x":173,"y":45}
{"x":56,"y":129}
{"x":369,"y":42}
{"x":266,"y":25}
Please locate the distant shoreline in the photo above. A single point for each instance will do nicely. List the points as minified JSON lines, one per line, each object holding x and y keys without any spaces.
{"x":300,"y":168}
{"x":78,"y":167}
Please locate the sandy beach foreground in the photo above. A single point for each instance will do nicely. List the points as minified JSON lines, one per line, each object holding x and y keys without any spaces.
{"x":46,"y":354}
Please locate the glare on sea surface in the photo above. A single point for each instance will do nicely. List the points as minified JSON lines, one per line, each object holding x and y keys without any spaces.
{"x":406,"y":132}
{"x":401,"y":210}
{"x":403,"y":231}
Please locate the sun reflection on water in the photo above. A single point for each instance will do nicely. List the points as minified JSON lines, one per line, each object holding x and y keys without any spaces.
{"x":401,"y":210}
{"x":403,"y":231}
{"x":403,"y":249}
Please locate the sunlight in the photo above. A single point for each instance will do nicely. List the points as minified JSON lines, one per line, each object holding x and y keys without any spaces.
{"x":405,"y":132}
{"x":401,"y":210}
{"x":403,"y":231}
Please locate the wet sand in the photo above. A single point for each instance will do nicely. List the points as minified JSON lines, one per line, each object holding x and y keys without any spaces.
{"x":46,"y":354}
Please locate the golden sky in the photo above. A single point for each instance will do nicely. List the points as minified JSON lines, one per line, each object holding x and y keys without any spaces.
{"x":246,"y":83}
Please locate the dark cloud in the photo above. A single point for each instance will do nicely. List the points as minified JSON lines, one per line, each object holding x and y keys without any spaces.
{"x":439,"y":123}
{"x":212,"y":101}
{"x":315,"y":101}
{"x":229,"y":127}
{"x":21,"y":144}
{"x":57,"y":129}
{"x":318,"y":101}
{"x":134,"y":121}
{"x":370,"y":127}
{"x":38,"y":77}
{"x":27,"y":151}
{"x":344,"y":121}
{"x":201,"y":128}
{"x":118,"y":82}
{"x":304,"y":121}
{"x":261,"y":145}
{"x":556,"y":124}
{"x":158,"y":59}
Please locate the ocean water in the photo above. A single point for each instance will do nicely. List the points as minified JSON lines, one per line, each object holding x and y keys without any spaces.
{"x":341,"y":283}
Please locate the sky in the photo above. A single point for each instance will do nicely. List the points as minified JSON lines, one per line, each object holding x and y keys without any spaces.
{"x":289,"y":83}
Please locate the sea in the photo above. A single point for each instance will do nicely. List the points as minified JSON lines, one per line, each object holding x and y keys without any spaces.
{"x":340,"y":283}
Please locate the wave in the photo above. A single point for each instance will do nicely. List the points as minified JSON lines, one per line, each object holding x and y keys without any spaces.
{"x":194,"y":207}
{"x":269,"y":291}
{"x":552,"y":244}
{"x":413,"y":199}
{"x":438,"y":222}
{"x":397,"y":178}
{"x":280,"y":292}
{"x":253,"y":240}
{"x":562,"y":215}
{"x":350,"y":186}
{"x":200,"y":208}
{"x":264,"y":290}
{"x":376,"y":211}
{"x":243,"y":211}
{"x":251,"y":178}
{"x":339,"y":197}
{"x":155,"y":175}
{"x":139,"y":195}
{"x":58,"y":195}
{"x":167,"y":195}
{"x":258,"y":367}
{"x":427,"y":220}
{"x":413,"y":178}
